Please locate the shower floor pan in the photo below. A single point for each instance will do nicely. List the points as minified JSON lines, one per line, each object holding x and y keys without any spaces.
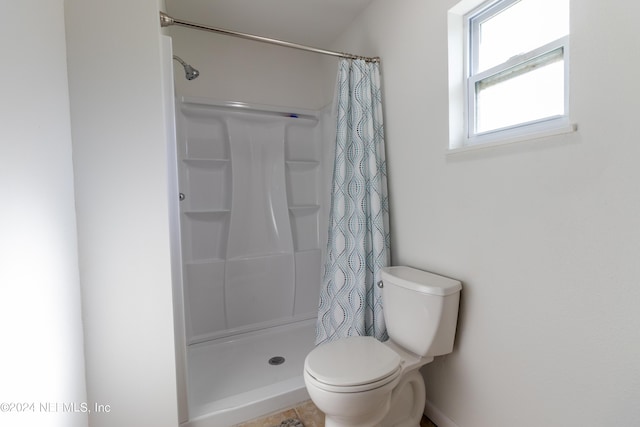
{"x":238,"y":378}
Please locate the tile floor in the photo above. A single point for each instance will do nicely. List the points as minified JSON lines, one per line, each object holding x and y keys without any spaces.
{"x":307,"y":413}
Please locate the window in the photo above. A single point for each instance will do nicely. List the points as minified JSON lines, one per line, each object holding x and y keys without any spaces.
{"x":516,"y":67}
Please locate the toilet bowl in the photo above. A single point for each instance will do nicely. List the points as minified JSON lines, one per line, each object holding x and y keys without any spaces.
{"x":362,"y":382}
{"x":357,"y":381}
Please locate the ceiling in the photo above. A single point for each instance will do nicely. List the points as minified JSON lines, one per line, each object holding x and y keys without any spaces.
{"x":312,"y":22}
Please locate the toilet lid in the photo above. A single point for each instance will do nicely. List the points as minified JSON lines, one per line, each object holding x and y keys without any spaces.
{"x":352,"y":361}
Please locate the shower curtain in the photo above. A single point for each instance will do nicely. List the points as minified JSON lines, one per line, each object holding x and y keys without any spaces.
{"x":358,"y":241}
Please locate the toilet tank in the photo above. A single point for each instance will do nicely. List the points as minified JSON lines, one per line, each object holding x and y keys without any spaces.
{"x":420,"y":309}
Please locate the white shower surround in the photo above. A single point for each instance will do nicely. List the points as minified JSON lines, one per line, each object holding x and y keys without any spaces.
{"x":253,"y":220}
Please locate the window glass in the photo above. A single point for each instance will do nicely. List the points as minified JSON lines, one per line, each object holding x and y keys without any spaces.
{"x":529,"y":92}
{"x":521,"y":27}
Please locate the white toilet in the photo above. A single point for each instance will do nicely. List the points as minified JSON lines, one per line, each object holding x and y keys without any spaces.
{"x":362,"y":382}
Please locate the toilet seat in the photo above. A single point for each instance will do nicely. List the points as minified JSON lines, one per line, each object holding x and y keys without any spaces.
{"x":352,"y":364}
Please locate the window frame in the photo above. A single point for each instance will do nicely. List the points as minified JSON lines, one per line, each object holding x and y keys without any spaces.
{"x":472,"y":22}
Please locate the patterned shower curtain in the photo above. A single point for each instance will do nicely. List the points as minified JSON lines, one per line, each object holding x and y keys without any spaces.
{"x":358,"y":244}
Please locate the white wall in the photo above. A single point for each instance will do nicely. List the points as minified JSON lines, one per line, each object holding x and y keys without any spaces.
{"x":233,"y":69}
{"x":545,"y":234}
{"x":41,"y":359}
{"x":120,"y":161}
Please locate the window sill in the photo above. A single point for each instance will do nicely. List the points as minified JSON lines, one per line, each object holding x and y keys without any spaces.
{"x":570,"y":128}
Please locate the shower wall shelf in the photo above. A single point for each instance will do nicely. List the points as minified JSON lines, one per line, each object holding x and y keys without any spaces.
{"x":234,"y":107}
{"x":206,"y":163}
{"x":253,"y":179}
{"x":304,"y":209}
{"x":303,"y":164}
{"x":206,"y":214}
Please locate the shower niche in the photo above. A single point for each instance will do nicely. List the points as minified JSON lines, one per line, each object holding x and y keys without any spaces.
{"x":252,"y":216}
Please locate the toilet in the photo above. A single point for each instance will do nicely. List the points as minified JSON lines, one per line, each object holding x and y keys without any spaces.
{"x":362,"y":382}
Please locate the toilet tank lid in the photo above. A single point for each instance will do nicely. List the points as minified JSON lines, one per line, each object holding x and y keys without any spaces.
{"x":420,"y":281}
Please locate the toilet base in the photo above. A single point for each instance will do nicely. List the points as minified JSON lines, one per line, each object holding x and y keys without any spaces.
{"x":360,"y":409}
{"x":336,"y":421}
{"x":407,"y":402}
{"x":400,"y":407}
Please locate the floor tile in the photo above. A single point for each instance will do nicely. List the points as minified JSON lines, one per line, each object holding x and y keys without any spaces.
{"x":310,"y":415}
{"x":270,"y":420}
{"x":307,"y":413}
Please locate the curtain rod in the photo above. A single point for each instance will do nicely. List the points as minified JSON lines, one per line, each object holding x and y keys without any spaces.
{"x":166,"y":21}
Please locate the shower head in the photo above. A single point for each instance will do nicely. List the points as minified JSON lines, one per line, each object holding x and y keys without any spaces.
{"x":190,"y":72}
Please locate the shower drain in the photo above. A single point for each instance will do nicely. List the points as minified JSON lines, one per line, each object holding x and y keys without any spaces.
{"x":276,"y":360}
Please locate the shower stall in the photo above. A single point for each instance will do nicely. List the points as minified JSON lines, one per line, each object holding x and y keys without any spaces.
{"x":252,"y":199}
{"x":253,"y":185}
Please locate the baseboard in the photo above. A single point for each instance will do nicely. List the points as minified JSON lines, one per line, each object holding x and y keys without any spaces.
{"x":437,"y":416}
